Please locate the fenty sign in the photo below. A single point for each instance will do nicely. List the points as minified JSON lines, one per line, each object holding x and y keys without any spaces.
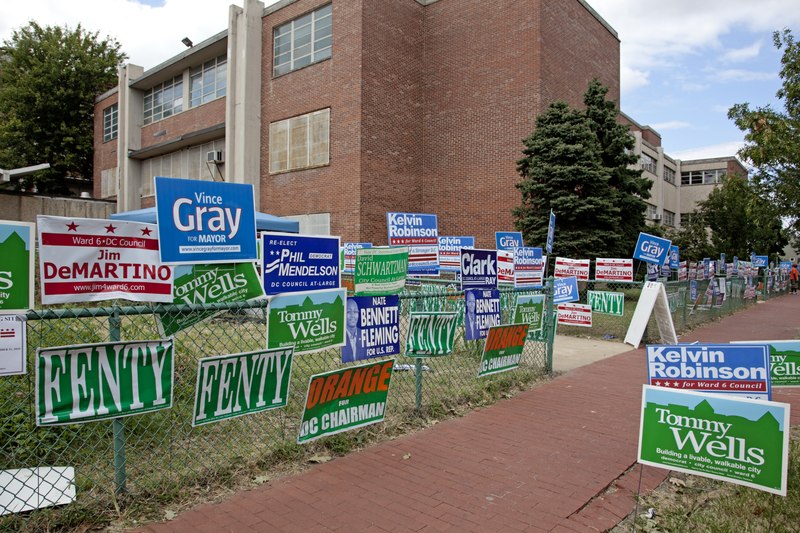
{"x":421,"y":234}
{"x":205,"y":221}
{"x":652,"y":249}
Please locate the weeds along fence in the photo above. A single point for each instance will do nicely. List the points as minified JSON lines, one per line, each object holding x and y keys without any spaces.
{"x":155,"y":457}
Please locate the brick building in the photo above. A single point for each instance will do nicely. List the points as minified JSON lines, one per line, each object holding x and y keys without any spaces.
{"x":338,"y":111}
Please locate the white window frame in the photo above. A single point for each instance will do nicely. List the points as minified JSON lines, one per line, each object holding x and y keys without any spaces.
{"x":649,"y":163}
{"x":302,"y":41}
{"x":110,"y":122}
{"x":208,"y":81}
{"x":153,"y":112}
{"x":669,"y":218}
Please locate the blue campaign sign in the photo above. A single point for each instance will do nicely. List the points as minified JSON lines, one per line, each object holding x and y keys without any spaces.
{"x":450,"y":251}
{"x":674,"y":257}
{"x":735,"y":266}
{"x":349,"y":251}
{"x":372,"y":327}
{"x":205,"y":221}
{"x":420,"y":233}
{"x":723,"y":266}
{"x":508,"y":240}
{"x":551,"y":231}
{"x":786,"y":265}
{"x":706,"y":267}
{"x":478,"y":269}
{"x":653,"y":271}
{"x":652,"y":249}
{"x":693,"y":291}
{"x":481,"y":311}
{"x":565,"y":290}
{"x":738,"y":369}
{"x":295,"y":262}
{"x":760,"y":261}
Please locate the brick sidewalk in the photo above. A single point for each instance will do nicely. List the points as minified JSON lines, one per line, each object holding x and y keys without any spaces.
{"x":541,"y":461}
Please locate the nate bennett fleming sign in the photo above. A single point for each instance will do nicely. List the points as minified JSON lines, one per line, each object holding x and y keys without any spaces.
{"x":205,"y":221}
{"x":90,"y":382}
{"x":294,"y":263}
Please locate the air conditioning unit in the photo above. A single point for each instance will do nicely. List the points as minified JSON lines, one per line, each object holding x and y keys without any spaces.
{"x":656,"y":216}
{"x":215,"y":157}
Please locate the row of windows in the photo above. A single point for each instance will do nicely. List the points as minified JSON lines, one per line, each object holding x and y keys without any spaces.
{"x":669,"y":175}
{"x":110,"y":122}
{"x":302,"y":41}
{"x":163,"y":100}
{"x":208,"y":81}
{"x":702,"y":177}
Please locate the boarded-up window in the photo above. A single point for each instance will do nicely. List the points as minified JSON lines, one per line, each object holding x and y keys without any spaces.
{"x":300,"y":142}
{"x":108,"y":182}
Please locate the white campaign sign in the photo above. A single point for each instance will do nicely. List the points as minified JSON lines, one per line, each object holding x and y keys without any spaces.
{"x":25,"y":489}
{"x":652,"y":298}
{"x":12,"y":345}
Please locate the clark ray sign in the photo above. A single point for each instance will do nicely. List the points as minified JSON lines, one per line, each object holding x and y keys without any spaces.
{"x":90,"y":382}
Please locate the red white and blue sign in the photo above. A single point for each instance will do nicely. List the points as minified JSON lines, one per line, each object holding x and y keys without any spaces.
{"x":421,"y":234}
{"x":481,"y":312}
{"x":551,"y":231}
{"x":565,"y":290}
{"x":737,"y":369}
{"x":674,"y":257}
{"x":205,"y":222}
{"x":652,"y":249}
{"x":294,"y":263}
{"x":350,"y":254}
{"x":478,"y":269}
{"x":528,"y":267}
{"x":450,"y":251}
{"x":372,"y":327}
{"x":508,"y":240}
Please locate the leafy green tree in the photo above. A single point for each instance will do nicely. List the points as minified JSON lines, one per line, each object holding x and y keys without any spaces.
{"x":48,"y":81}
{"x":773,"y":136}
{"x":692,"y":238}
{"x":562,"y":170}
{"x":630,"y":187}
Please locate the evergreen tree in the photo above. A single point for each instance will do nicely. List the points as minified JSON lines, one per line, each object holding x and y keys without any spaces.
{"x":630,"y":187}
{"x":562,"y":170}
{"x":49,"y":77}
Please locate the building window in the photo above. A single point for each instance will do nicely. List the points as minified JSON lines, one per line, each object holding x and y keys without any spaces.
{"x":300,"y":142}
{"x":303,"y":41}
{"x":650,"y":214}
{"x":163,"y":100}
{"x":669,"y":175}
{"x":702,"y":177}
{"x":648,"y":163}
{"x":110,"y":122}
{"x":669,"y":218}
{"x":208,"y":81}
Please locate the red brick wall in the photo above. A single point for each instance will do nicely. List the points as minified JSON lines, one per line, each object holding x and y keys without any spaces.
{"x":190,"y":120}
{"x":392,"y":113}
{"x":334,"y":83}
{"x":105,"y":153}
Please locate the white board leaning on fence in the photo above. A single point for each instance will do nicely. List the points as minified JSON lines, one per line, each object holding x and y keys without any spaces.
{"x":653,"y":298}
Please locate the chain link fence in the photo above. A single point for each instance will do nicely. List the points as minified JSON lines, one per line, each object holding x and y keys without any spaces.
{"x":158,"y":456}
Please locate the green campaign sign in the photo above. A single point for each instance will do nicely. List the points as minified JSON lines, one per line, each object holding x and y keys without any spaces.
{"x":503,"y":349}
{"x":309,"y":321}
{"x":784,"y":362}
{"x":732,"y":439}
{"x":431,"y":334}
{"x":16,"y":270}
{"x":240,"y":384}
{"x":530,"y":310}
{"x":90,"y":382}
{"x":345,"y":399}
{"x":606,"y":303}
{"x":380,"y":271}
{"x":202,"y":284}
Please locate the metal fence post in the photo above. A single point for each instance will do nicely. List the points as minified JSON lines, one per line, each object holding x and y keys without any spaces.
{"x":114,"y":324}
{"x":418,"y":382}
{"x":551,"y":325}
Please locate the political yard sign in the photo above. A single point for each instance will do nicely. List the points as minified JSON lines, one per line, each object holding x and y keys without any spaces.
{"x":530,"y":310}
{"x":606,"y":303}
{"x":727,"y":438}
{"x":430,"y":334}
{"x":294,"y":263}
{"x":566,"y":267}
{"x":349,"y":253}
{"x":17,"y":270}
{"x":229,"y":386}
{"x":309,"y":321}
{"x":421,"y":234}
{"x":528,"y":267}
{"x":12,"y":345}
{"x":784,"y":358}
{"x":204,"y":284}
{"x":373,"y":327}
{"x":565,"y":290}
{"x":88,"y":260}
{"x":345,"y":399}
{"x":607,"y":269}
{"x":737,"y":369}
{"x":450,"y":251}
{"x":380,"y":271}
{"x":88,"y":382}
{"x":481,"y":312}
{"x":478,"y":269}
{"x":551,"y":230}
{"x":508,"y":240}
{"x":572,"y":314}
{"x":652,"y":249}
{"x":205,"y":221}
{"x":503,"y":349}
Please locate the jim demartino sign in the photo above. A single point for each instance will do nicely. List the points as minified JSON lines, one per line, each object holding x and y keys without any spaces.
{"x":98,"y":381}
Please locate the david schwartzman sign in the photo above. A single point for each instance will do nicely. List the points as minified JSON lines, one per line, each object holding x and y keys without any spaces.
{"x":204,"y":221}
{"x":294,"y":263}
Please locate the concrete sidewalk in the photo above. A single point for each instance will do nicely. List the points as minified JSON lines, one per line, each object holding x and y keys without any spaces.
{"x":555,"y":458}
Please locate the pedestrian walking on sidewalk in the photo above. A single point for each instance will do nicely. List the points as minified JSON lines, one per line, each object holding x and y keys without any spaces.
{"x":793,"y":278}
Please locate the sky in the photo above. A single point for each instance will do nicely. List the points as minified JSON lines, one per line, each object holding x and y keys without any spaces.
{"x":684,"y":63}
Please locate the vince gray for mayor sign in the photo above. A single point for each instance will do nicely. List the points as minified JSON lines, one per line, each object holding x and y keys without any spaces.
{"x":739,"y":369}
{"x":98,"y":381}
{"x":294,"y":263}
{"x":205,"y":221}
{"x":234,"y":385}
